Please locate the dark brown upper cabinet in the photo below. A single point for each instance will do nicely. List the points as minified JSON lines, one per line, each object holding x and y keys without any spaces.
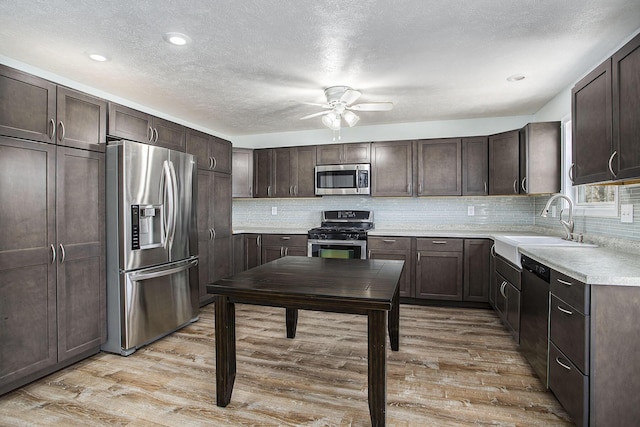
{"x":334,"y":154}
{"x":392,"y":168}
{"x":211,"y":153}
{"x":591,"y":120}
{"x":504,"y":163}
{"x":605,"y":108}
{"x":625,"y":79}
{"x":284,"y":172}
{"x":42,"y":111}
{"x":439,"y":167}
{"x":242,"y":177}
{"x":475,"y":166}
{"x":540,"y":158}
{"x":134,"y":125}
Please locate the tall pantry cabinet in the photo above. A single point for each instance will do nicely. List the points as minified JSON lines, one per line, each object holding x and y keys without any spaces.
{"x":215,"y":239}
{"x":52,"y":243}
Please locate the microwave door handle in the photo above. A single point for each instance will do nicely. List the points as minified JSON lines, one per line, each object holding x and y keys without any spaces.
{"x":357,"y":179}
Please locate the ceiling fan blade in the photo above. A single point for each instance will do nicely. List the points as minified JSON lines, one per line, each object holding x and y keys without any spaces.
{"x":314,"y":115}
{"x":372,"y":106}
{"x":350,"y":96}
{"x":316,"y":104}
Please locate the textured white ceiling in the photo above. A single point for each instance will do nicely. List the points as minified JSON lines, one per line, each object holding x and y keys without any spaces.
{"x":252,"y":63}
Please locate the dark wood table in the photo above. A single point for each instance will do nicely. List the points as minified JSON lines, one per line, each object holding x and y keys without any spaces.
{"x":368,"y":287}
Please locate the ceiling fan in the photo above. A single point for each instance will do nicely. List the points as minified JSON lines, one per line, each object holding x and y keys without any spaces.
{"x":340,"y":105}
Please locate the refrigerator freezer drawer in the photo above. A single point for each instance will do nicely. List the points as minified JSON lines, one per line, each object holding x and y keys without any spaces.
{"x":155,"y":302}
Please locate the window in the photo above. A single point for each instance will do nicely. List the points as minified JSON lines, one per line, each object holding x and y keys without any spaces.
{"x":589,"y":200}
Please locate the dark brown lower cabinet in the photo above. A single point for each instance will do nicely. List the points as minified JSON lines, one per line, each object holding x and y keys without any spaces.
{"x":276,"y":246}
{"x":507,"y":297}
{"x":252,"y":250}
{"x":593,"y":351}
{"x":398,"y":248}
{"x":439,"y":267}
{"x":52,"y":258}
{"x":477,"y":270}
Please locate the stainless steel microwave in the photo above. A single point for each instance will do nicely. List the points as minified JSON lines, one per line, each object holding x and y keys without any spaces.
{"x":343,"y":179}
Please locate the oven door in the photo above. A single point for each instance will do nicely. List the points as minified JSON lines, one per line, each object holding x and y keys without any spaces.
{"x":344,"y":249}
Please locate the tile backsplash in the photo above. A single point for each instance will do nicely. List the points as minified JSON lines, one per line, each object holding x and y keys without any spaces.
{"x":491,"y":212}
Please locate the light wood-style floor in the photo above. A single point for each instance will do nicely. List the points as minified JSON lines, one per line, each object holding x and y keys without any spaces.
{"x":455,"y":367}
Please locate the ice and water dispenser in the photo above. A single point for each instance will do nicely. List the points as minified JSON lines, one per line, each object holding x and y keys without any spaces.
{"x":146,"y":226}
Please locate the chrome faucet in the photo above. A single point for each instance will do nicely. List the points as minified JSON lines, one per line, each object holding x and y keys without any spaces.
{"x":567,"y":225}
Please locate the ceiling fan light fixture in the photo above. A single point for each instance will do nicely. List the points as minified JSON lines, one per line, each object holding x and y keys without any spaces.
{"x":351,"y":118}
{"x":332,"y":121}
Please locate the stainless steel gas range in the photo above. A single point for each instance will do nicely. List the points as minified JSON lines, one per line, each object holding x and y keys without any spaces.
{"x":342,"y":234}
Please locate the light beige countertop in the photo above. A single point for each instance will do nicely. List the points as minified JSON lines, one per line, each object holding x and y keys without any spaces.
{"x":612,"y":263}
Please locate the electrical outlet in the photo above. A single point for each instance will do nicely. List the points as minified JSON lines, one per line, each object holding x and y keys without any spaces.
{"x":274,"y":210}
{"x":626,"y":214}
{"x":471,"y":210}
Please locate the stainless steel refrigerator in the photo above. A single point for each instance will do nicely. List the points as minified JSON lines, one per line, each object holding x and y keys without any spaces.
{"x":152,"y":278}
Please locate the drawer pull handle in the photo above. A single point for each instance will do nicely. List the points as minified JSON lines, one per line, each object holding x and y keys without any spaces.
{"x":285,"y":238}
{"x":389,"y":240}
{"x":567,"y":367}
{"x":564,"y":282}
{"x":565,"y":311}
{"x":439,"y":242}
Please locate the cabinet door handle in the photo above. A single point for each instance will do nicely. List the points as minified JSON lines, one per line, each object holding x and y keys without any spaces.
{"x":155,"y":140}
{"x":611,"y":161}
{"x":567,"y":367}
{"x":250,"y":191}
{"x":523,"y":184}
{"x":486,"y":190}
{"x":269,"y":191}
{"x":369,"y":254}
{"x":211,"y":234}
{"x":215,"y":163}
{"x":210,"y":162}
{"x":53,"y":254}
{"x":565,"y":311}
{"x":52,"y":128}
{"x":571,"y":169}
{"x":259,"y":240}
{"x":150,"y":134}
{"x":62,"y":254}
{"x":61,"y":132}
{"x":502,"y":291}
{"x":493,"y":250}
{"x":439,"y":242}
{"x":408,"y":188}
{"x":286,"y":251}
{"x":214,"y":233}
{"x":418,"y":257}
{"x":515,"y":186}
{"x":281,"y":251}
{"x":564,"y":282}
{"x":291,"y":190}
{"x":419,"y":188}
{"x":295,"y":190}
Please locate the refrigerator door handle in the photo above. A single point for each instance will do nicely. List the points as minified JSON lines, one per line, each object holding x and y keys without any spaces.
{"x":153,"y":273}
{"x":174,"y":201}
{"x":169,"y":203}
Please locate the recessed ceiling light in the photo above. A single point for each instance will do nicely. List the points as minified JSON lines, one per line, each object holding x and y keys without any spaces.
{"x":515,"y":78}
{"x":98,"y":57}
{"x":177,"y":39}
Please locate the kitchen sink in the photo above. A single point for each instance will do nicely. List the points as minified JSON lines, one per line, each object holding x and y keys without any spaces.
{"x":507,"y":246}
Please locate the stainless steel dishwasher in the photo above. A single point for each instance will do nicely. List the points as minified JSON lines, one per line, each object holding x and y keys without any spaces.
{"x":534,"y":315}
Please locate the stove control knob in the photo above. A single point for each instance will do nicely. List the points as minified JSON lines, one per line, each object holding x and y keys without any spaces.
{"x":323,"y":236}
{"x":352,"y":236}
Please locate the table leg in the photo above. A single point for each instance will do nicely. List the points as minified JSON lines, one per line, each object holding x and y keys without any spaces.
{"x":394,"y":321}
{"x":377,"y":368}
{"x":225,"y":317}
{"x":292,"y":322}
